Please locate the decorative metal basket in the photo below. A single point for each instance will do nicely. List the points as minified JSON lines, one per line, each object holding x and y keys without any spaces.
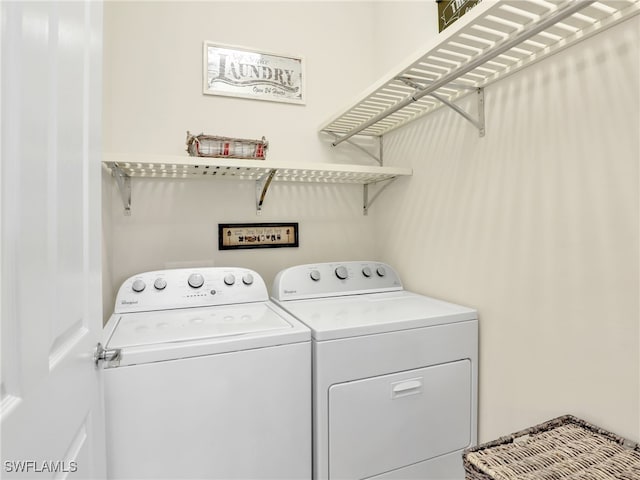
{"x":564,"y":448}
{"x":226,"y":147}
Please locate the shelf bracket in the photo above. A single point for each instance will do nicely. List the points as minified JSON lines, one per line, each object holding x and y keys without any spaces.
{"x":479,"y":122}
{"x":362,"y":149}
{"x":366,"y":201}
{"x":124,"y":187}
{"x":262,"y":187}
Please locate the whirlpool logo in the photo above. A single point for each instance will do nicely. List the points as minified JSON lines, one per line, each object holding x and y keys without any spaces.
{"x":129,"y":302}
{"x":290,"y":292}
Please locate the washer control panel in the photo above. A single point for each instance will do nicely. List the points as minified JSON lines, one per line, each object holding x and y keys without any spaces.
{"x":189,"y":287}
{"x":334,"y":279}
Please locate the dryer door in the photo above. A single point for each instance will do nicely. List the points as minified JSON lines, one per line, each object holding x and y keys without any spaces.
{"x":384,"y":423}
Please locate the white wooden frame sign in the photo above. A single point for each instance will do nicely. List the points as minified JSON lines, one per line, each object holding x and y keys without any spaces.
{"x":244,"y":72}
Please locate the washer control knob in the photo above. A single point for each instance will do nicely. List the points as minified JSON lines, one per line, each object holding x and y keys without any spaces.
{"x":315,"y":275}
{"x":342,"y":273}
{"x":195,"y":280}
{"x":160,"y":284}
{"x":381,"y":271}
{"x":229,"y":279}
{"x":247,"y":279}
{"x":366,"y":271}
{"x":138,"y":285}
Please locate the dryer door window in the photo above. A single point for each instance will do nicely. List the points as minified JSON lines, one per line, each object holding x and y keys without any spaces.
{"x":384,"y":423}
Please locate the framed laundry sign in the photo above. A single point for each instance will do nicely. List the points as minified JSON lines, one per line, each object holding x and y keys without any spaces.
{"x":244,"y":72}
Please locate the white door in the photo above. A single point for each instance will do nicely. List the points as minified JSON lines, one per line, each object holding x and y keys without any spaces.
{"x":51,"y":414}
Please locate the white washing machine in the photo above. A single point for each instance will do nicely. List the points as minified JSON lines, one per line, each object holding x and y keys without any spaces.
{"x":394,"y":373}
{"x":207,"y":379}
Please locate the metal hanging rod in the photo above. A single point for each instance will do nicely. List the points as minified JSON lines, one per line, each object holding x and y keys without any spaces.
{"x":563,"y":12}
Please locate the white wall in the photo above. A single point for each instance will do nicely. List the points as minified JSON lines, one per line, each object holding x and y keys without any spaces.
{"x":153,"y":94}
{"x":401,"y":28}
{"x":536,"y":226}
{"x":153,"y":77}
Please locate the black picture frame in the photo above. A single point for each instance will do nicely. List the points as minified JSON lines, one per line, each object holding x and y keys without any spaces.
{"x":239,"y":236}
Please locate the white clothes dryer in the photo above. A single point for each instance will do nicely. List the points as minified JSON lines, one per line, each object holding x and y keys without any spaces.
{"x":395,"y":373}
{"x":205,"y":377}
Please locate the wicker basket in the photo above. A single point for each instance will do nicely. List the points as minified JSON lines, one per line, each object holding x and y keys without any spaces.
{"x":226,"y":147}
{"x":563,"y":448}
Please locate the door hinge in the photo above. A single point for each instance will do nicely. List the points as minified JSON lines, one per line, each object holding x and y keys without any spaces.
{"x":112,"y":356}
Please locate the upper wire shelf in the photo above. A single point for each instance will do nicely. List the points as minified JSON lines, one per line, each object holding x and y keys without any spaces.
{"x":495,"y":39}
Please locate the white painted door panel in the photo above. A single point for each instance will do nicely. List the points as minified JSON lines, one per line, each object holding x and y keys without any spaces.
{"x":51,"y":417}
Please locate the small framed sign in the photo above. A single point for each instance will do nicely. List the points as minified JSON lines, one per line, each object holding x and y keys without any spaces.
{"x":451,"y":10}
{"x":232,"y":236}
{"x":243,"y":72}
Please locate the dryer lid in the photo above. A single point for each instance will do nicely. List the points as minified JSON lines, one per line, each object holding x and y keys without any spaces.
{"x":356,"y":315}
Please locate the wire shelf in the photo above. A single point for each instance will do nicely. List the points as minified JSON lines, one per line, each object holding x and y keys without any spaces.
{"x":493,"y":40}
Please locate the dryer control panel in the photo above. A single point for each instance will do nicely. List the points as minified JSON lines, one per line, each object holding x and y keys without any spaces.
{"x":189,"y":287}
{"x":334,"y":279}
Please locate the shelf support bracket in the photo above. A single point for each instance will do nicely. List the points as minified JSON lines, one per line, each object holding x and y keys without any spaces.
{"x":366,"y":201}
{"x":479,"y":122}
{"x":262,"y":187}
{"x":124,"y":187}
{"x":362,"y":149}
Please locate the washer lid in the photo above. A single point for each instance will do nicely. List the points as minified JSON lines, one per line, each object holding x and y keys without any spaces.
{"x":356,"y":315}
{"x":165,"y":335}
